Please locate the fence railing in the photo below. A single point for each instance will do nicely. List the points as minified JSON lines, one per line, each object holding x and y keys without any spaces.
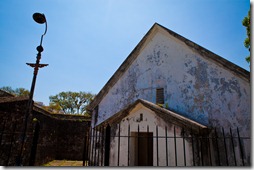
{"x":119,"y":145}
{"x":170,"y":146}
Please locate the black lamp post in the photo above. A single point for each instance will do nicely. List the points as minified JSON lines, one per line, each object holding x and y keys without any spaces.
{"x":41,"y":19}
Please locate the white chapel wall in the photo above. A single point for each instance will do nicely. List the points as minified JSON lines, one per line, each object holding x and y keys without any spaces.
{"x":195,"y":87}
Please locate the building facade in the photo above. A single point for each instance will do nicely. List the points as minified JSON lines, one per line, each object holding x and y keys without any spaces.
{"x":178,"y":75}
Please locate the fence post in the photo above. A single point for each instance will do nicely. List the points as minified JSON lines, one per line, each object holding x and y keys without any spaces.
{"x":225,"y":145}
{"x":85,"y":150}
{"x":99,"y":145}
{"x":34,"y":145}
{"x":89,"y":147}
{"x":129,"y":145}
{"x":118,"y":154}
{"x":240,"y":145}
{"x":166,"y":136}
{"x":201,"y":150}
{"x":92,"y":139}
{"x":157,"y":145}
{"x":217,"y":146}
{"x":95,"y":146}
{"x":175,"y":146}
{"x":209,"y":149}
{"x":102,"y":144}
{"x":233,"y":147}
{"x":107,"y":146}
{"x":193,"y":151}
{"x":184,"y":154}
{"x":137,"y":160}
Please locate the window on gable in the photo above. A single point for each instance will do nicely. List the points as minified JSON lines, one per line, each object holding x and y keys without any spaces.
{"x":160,"y":96}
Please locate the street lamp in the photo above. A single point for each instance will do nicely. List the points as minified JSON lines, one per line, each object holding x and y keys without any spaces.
{"x":41,"y":19}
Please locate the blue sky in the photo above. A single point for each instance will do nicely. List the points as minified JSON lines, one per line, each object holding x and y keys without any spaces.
{"x":87,"y":40}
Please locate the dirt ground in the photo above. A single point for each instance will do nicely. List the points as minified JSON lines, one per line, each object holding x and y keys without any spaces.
{"x":64,"y":163}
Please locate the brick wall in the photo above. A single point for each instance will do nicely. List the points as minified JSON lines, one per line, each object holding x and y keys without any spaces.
{"x":59,"y":137}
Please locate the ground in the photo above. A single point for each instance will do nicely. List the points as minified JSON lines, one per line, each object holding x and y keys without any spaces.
{"x":64,"y":163}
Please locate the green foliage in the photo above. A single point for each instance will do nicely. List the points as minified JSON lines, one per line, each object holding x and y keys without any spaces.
{"x":166,"y":106}
{"x":35,"y":120}
{"x":71,"y":102}
{"x":17,"y":91}
{"x":53,"y":108}
{"x":161,"y":105}
{"x":246,"y":23}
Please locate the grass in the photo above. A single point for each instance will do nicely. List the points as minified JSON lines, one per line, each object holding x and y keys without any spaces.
{"x":64,"y":163}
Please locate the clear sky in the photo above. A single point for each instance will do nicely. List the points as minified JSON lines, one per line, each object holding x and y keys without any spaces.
{"x":87,"y":40}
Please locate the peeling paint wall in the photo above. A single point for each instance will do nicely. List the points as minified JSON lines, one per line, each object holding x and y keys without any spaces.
{"x":194,"y":86}
{"x":149,"y":119}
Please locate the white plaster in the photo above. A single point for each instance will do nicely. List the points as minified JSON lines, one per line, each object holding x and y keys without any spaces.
{"x":195,"y":87}
{"x":149,"y":119}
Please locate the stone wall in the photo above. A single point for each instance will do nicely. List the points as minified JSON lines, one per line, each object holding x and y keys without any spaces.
{"x":71,"y":136}
{"x":59,"y":137}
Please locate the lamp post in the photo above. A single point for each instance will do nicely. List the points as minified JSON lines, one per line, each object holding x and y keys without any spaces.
{"x":41,"y":19}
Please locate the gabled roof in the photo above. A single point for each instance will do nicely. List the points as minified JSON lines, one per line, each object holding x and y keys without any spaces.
{"x":4,"y":93}
{"x":238,"y":71}
{"x":166,"y":115}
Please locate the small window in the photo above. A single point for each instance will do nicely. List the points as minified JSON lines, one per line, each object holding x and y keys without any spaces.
{"x":141,"y":116}
{"x":160,"y":96}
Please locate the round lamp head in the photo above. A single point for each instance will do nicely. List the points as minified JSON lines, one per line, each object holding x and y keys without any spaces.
{"x":39,"y":18}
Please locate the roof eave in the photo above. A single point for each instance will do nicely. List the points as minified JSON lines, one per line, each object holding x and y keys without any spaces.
{"x":172,"y":117}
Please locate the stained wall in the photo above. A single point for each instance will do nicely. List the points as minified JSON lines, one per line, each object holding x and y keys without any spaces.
{"x":149,"y":122}
{"x":194,"y":86}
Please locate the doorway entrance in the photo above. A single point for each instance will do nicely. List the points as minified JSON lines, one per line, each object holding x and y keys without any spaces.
{"x":143,"y":149}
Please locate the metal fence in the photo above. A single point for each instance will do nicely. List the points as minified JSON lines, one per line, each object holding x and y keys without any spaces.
{"x":116,"y":146}
{"x":144,"y":146}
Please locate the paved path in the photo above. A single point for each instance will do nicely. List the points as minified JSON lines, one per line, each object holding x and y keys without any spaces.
{"x":64,"y":163}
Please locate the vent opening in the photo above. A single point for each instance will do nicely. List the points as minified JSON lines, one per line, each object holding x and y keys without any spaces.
{"x":160,"y":96}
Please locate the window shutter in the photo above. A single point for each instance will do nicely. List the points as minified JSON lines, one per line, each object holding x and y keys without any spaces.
{"x":160,"y":96}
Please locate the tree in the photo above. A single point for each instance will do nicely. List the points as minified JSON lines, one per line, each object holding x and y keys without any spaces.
{"x":246,"y":23}
{"x":71,"y":102}
{"x":53,"y":108}
{"x":17,"y":92}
